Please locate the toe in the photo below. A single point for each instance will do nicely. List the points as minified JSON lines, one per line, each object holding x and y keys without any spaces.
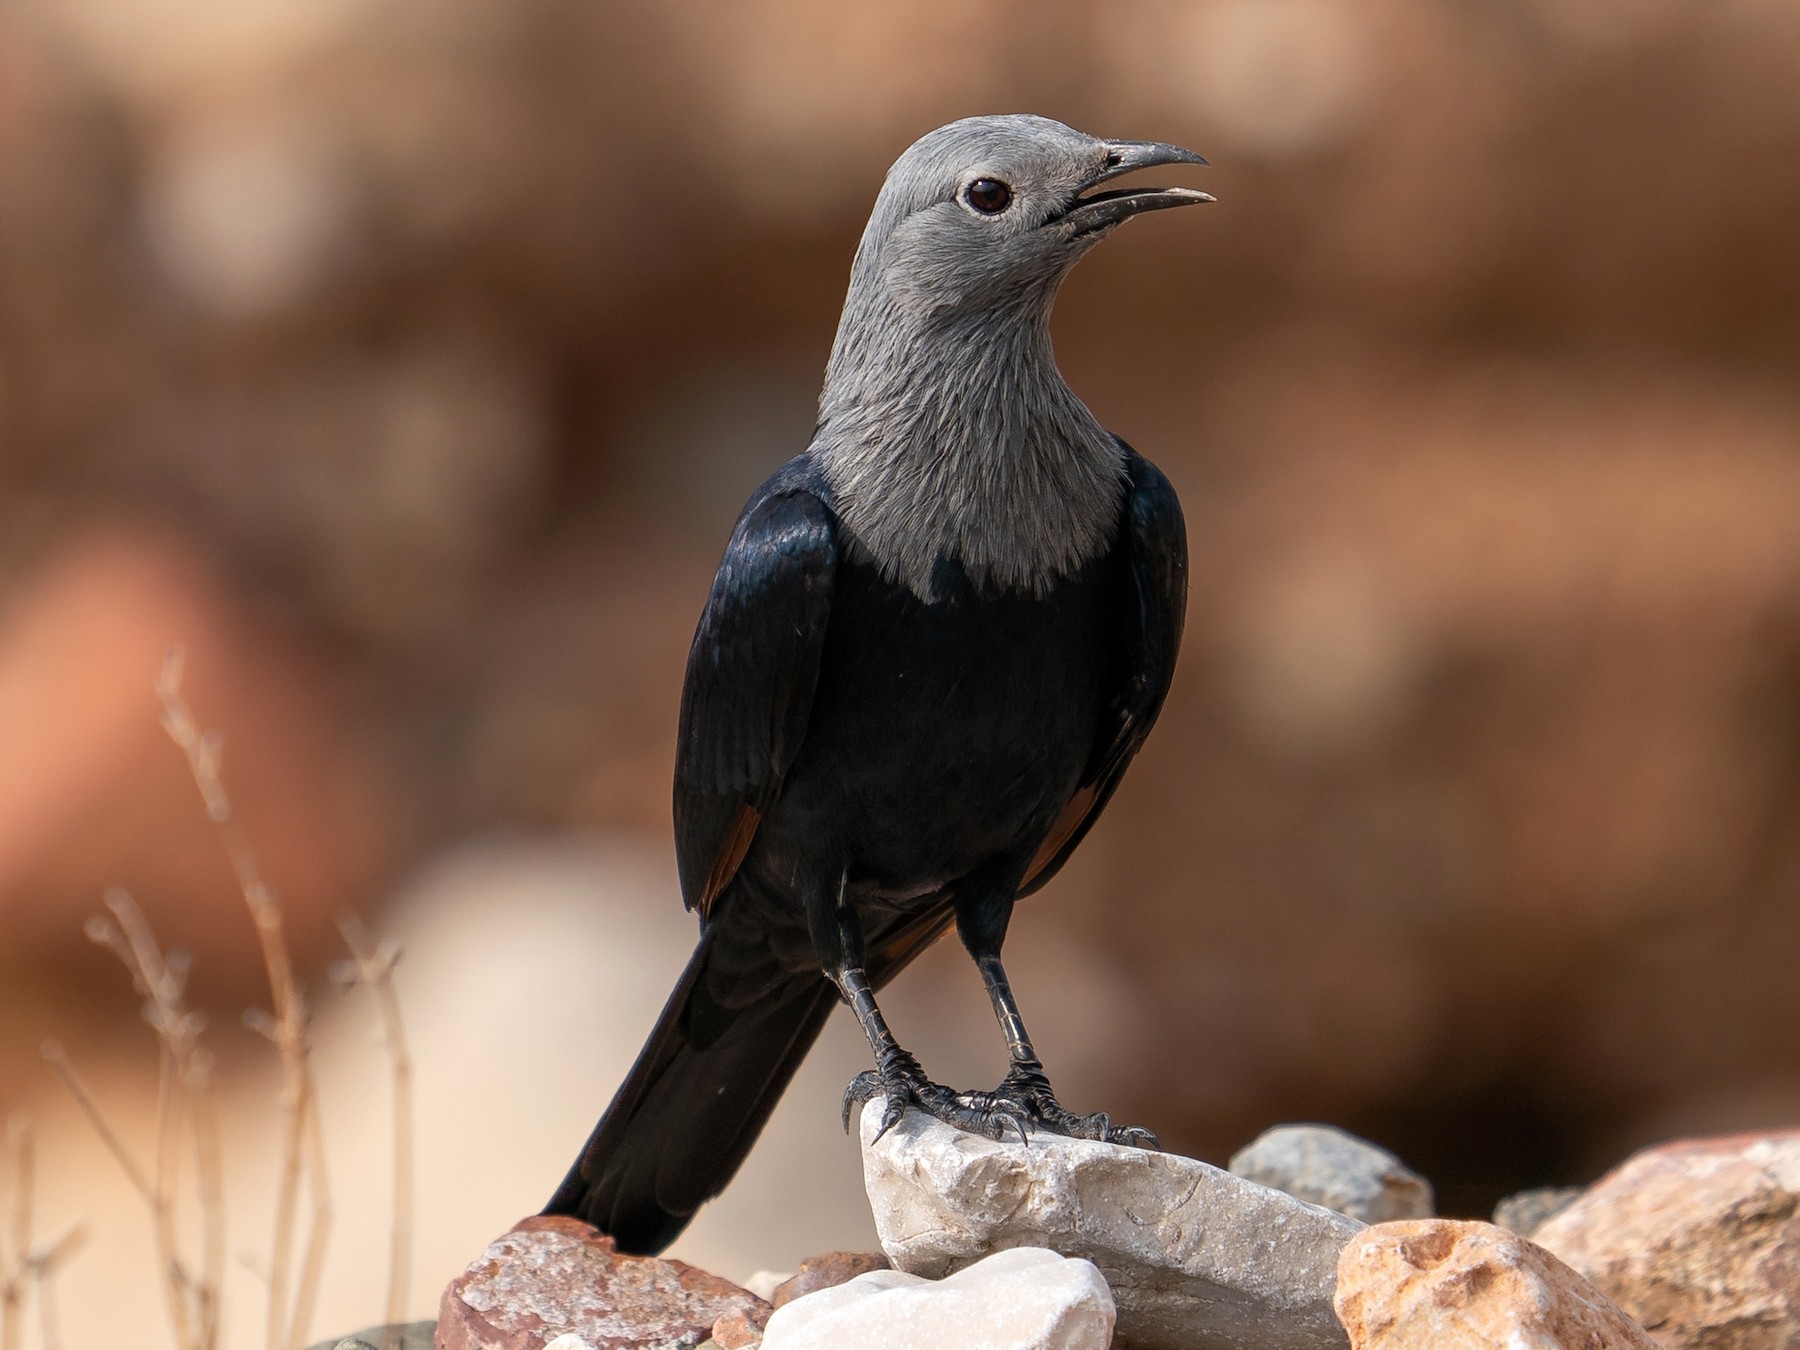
{"x":863,"y":1089}
{"x":1134,"y":1136}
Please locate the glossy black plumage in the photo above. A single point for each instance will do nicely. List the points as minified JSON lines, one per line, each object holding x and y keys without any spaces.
{"x":839,"y":735}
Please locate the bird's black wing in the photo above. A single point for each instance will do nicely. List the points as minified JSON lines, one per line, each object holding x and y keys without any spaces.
{"x":1153,"y":539}
{"x":750,"y":679}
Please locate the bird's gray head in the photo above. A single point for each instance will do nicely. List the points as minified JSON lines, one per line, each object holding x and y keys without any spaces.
{"x":992,"y":211}
{"x":944,"y":427}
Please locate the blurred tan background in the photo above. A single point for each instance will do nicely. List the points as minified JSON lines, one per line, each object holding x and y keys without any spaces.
{"x":408,"y":362}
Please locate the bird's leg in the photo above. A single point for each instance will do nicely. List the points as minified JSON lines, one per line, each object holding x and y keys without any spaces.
{"x":982,"y":927}
{"x":1026,"y":1083}
{"x":896,"y":1076}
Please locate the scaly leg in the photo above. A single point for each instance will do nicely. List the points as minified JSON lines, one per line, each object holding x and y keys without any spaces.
{"x":1025,"y":1085}
{"x":981,"y":922}
{"x":897,"y":1076}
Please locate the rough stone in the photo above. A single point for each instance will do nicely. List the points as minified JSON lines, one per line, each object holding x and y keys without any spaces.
{"x":1023,"y":1299}
{"x":554,"y":1276}
{"x":1196,"y":1258}
{"x":1699,"y":1240}
{"x":1327,"y":1166}
{"x":401,"y":1336}
{"x":1529,"y":1211}
{"x":822,"y":1272}
{"x":737,"y":1330}
{"x":1443,"y":1284}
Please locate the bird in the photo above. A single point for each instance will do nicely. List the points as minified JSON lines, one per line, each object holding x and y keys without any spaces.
{"x":935,"y":641}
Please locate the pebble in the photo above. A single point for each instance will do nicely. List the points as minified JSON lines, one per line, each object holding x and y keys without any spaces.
{"x":552,"y":1277}
{"x":1022,"y":1299}
{"x":1529,"y":1211}
{"x":1331,"y":1167}
{"x":1444,"y":1284}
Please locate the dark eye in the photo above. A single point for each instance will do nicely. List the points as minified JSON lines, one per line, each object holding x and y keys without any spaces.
{"x":988,"y":195}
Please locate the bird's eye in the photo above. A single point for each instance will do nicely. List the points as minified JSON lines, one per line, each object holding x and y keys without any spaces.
{"x":988,"y":195}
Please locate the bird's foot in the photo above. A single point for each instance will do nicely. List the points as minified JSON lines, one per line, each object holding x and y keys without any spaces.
{"x":903,"y":1083}
{"x":1026,"y":1091}
{"x":1023,"y":1102}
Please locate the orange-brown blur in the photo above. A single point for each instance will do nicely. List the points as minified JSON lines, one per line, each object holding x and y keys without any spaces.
{"x":407,"y":362}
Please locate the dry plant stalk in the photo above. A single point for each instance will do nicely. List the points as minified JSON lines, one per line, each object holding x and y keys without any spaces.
{"x":12,"y":1294}
{"x":184,"y":1111}
{"x":372,"y":966}
{"x":302,"y":1151}
{"x":22,"y":1265}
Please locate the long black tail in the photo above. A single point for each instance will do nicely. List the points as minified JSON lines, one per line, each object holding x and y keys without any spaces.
{"x":691,"y":1107}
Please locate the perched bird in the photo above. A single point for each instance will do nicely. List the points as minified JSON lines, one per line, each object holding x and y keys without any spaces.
{"x":936,"y":639}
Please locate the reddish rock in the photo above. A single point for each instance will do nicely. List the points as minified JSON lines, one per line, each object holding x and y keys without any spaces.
{"x":1442,"y":1284}
{"x":737,"y":1330}
{"x":550,"y":1276}
{"x":1699,"y":1240}
{"x":826,"y":1272}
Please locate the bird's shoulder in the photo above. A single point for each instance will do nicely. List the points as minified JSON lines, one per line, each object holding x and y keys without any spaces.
{"x":787,"y":534}
{"x":801,"y":478}
{"x":1150,"y":496}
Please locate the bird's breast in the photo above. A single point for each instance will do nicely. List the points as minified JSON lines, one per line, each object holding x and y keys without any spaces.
{"x":945,"y":733}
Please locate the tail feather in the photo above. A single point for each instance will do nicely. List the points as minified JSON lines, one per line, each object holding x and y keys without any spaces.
{"x":722,"y":1053}
{"x":693,"y":1104}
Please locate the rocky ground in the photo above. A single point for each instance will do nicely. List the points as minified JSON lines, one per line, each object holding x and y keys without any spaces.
{"x":1312,"y":1240}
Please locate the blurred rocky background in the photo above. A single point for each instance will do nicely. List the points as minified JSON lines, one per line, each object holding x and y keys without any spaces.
{"x":407,"y":362}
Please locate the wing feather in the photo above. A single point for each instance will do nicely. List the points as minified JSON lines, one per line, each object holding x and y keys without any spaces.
{"x":750,"y":679}
{"x":1153,"y":610}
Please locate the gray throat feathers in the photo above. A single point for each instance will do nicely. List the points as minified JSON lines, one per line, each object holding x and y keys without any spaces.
{"x":955,"y":437}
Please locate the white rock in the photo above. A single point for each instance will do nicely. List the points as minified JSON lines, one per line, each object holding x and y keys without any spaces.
{"x":568,"y":1341}
{"x":1196,"y":1258}
{"x":1023,"y":1299}
{"x":765,"y":1282}
{"x":1327,"y":1166}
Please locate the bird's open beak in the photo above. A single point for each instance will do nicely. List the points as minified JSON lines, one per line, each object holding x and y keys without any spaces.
{"x":1096,"y":210}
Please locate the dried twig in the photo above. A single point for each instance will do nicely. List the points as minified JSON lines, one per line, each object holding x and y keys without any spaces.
{"x":302,"y":1150}
{"x":210,"y":1186}
{"x":26,"y":1266}
{"x":16,"y":1254}
{"x":58,"y":1060}
{"x":312,"y":1265}
{"x":183,"y":1108}
{"x":372,"y":965}
{"x":43,"y":1264}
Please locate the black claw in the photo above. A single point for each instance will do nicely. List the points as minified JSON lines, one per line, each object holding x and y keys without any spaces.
{"x":890,"y":1114}
{"x":1026,"y":1091}
{"x":1021,"y":1104}
{"x":863,"y":1089}
{"x":1135,"y":1136}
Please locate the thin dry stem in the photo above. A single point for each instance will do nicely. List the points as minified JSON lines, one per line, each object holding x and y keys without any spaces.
{"x":210,"y":1187}
{"x":27,"y":1267}
{"x":43,"y":1265}
{"x":286,"y":1027}
{"x":373,"y":965}
{"x":17,"y":1257}
{"x":183,"y":1110}
{"x":312,"y":1265}
{"x":175,"y":1280}
{"x":58,"y":1061}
